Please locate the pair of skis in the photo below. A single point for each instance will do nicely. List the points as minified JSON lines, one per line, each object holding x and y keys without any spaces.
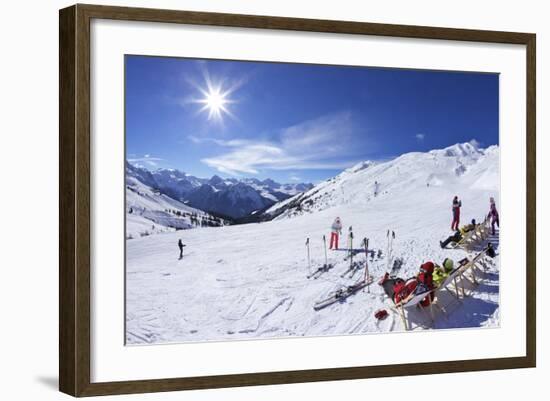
{"x":342,"y":294}
{"x":325,"y":268}
{"x":352,"y":269}
{"x":356,"y":266}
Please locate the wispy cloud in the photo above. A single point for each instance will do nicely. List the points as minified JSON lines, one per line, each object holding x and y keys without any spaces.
{"x":220,"y":142}
{"x":147,"y":159}
{"x":321,"y":143}
{"x":420,"y":137}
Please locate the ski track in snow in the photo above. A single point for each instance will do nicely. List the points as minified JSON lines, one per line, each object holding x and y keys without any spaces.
{"x":249,"y":281}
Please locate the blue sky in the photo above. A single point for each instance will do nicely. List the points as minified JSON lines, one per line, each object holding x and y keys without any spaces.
{"x":296,"y":122}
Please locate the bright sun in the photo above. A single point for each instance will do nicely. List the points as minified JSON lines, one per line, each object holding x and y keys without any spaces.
{"x":215,"y":101}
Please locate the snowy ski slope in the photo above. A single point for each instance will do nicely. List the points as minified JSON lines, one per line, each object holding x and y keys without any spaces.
{"x":249,"y":281}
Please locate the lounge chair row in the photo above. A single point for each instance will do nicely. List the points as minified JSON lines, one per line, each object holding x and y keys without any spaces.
{"x":466,"y":275}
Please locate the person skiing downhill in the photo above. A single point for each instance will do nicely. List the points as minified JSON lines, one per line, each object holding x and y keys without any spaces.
{"x":181,"y":245}
{"x":493,"y":214}
{"x":336,"y":230}
{"x":457,"y":204}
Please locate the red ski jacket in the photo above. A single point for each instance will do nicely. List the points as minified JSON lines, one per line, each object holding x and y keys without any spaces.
{"x":402,"y":289}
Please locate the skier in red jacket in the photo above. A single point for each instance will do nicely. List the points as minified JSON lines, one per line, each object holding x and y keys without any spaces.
{"x":456,"y":213}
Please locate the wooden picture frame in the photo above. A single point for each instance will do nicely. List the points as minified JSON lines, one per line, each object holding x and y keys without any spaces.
{"x":75,"y":207}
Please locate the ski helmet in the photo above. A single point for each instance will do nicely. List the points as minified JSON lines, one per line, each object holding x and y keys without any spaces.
{"x":448,"y":265}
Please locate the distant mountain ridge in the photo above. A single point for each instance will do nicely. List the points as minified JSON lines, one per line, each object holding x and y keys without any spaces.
{"x":235,"y":198}
{"x":366,"y":181}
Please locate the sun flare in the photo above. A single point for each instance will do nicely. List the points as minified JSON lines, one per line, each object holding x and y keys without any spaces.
{"x":215,"y":100}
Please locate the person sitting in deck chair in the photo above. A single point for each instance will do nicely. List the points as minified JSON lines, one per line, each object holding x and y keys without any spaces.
{"x":425,"y":282}
{"x":400,"y":291}
{"x":468,"y":227}
{"x":442,"y":272}
{"x":459,"y":234}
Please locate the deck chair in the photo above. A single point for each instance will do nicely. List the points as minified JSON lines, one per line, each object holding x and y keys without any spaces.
{"x":474,"y":265}
{"x":485,"y":228}
{"x":464,"y":242}
{"x":404,"y":309}
{"x":471,"y":239}
{"x":451,"y":285}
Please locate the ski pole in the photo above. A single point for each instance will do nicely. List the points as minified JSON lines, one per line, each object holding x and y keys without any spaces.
{"x":367,"y":274}
{"x":325,"y":245}
{"x":392,"y":238}
{"x":308,"y":259}
{"x":350,"y":249}
{"x":388,"y":250}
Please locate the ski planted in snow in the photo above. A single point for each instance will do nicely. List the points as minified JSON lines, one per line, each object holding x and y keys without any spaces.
{"x":323,"y":269}
{"x":352,"y":269}
{"x":326,"y":267}
{"x":350,"y":235}
{"x":308,"y":258}
{"x":341,"y":294}
{"x":367,"y":274}
{"x":397,"y":264}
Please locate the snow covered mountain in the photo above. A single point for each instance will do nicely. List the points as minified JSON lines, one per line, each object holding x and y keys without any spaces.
{"x":478,"y":168}
{"x":249,"y":281}
{"x":229,"y":197}
{"x":148,"y":211}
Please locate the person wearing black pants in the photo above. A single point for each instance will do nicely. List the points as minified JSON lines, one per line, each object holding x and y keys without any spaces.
{"x":181,"y":245}
{"x":456,"y":237}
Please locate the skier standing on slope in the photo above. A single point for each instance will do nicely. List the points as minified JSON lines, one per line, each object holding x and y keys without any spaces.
{"x":457,"y":204}
{"x":181,"y":245}
{"x":336,"y":229}
{"x":376,"y":188}
{"x":493,"y":214}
